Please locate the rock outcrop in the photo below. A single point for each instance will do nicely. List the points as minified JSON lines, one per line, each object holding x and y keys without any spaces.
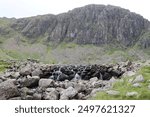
{"x":92,"y":24}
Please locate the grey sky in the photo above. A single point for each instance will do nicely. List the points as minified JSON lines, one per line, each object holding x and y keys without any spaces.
{"x":26,"y":8}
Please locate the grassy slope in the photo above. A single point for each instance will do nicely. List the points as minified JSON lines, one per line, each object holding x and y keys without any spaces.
{"x":124,"y":87}
{"x":68,"y":53}
{"x":3,"y":66}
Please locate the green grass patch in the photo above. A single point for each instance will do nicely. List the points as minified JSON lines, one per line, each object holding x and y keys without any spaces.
{"x":67,"y":45}
{"x":3,"y":55}
{"x":3,"y":65}
{"x":21,"y":55}
{"x":123,"y":86}
{"x":4,"y":21}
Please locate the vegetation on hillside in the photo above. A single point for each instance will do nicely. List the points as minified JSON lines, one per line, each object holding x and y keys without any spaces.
{"x":69,"y":53}
{"x":124,"y":86}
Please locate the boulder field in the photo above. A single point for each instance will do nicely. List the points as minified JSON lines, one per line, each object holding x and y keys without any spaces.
{"x":31,"y":80}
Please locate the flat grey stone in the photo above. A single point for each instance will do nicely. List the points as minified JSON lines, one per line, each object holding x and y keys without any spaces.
{"x":45,"y":83}
{"x":15,"y":98}
{"x":138,"y":79}
{"x":113,"y":92}
{"x":94,"y":79}
{"x":36,"y":72}
{"x":131,"y":94}
{"x":136,"y":85}
{"x":37,"y":96}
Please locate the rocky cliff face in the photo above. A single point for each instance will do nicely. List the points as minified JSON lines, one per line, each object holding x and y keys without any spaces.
{"x":92,"y":24}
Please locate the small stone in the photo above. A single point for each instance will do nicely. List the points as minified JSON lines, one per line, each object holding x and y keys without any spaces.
{"x":112,"y":80}
{"x":26,"y":70}
{"x":29,"y":97}
{"x":87,"y":97}
{"x":62,"y":77}
{"x":130,"y":80}
{"x":113,"y":92}
{"x":64,"y":97}
{"x":15,"y":74}
{"x":138,"y":79}
{"x":97,"y":84}
{"x":69,"y":92}
{"x":107,"y":85}
{"x":80,"y":87}
{"x":136,"y":85}
{"x":59,"y":89}
{"x":36,"y":72}
{"x":94,"y":91}
{"x":131,"y":94}
{"x":62,"y":85}
{"x":56,"y":84}
{"x":37,"y":96}
{"x":28,"y":76}
{"x":88,"y":90}
{"x":66,"y":80}
{"x":44,"y":83}
{"x":30,"y":92}
{"x":94,"y":79}
{"x":80,"y":96}
{"x":26,"y":91}
{"x":53,"y":95}
{"x":3,"y":78}
{"x":7,"y":74}
{"x":77,"y":77}
{"x":69,"y":84}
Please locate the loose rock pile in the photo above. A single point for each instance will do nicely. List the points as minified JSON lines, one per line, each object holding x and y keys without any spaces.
{"x":32,"y":80}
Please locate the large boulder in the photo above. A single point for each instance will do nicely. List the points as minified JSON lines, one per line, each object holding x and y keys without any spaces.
{"x":29,"y":81}
{"x":27,"y":70}
{"x":8,"y":90}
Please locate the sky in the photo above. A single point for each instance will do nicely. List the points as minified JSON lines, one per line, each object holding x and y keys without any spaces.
{"x":27,"y":8}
